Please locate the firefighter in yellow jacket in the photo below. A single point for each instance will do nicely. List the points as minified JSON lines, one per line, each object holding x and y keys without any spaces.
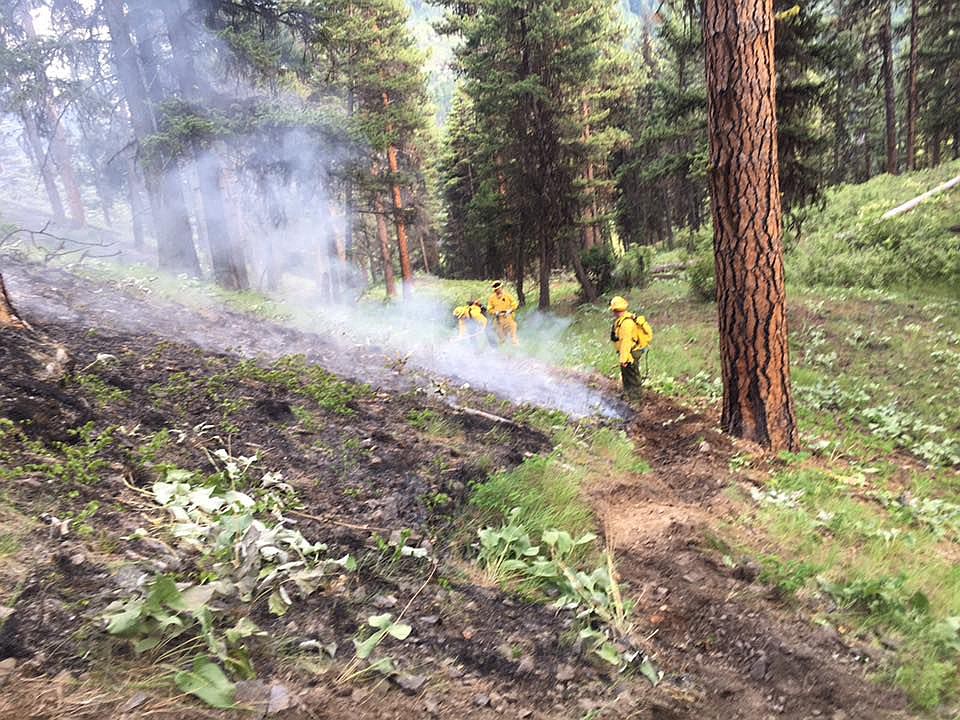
{"x":471,"y":322}
{"x":630,"y":334}
{"x":501,"y":306}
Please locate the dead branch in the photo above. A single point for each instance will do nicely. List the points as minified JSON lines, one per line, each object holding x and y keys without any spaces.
{"x":910,"y":205}
{"x":63,"y":246}
{"x":486,"y":415}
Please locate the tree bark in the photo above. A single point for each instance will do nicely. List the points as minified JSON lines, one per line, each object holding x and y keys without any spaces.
{"x":137,"y":209}
{"x":226,"y":252}
{"x":58,"y":141}
{"x":384,"y":237}
{"x":175,"y":249}
{"x":912,"y":97}
{"x":543,"y":301}
{"x":748,"y":222}
{"x":226,"y":255}
{"x":889,"y":94}
{"x":43,"y":167}
{"x":406,"y":271}
{"x":8,"y":316}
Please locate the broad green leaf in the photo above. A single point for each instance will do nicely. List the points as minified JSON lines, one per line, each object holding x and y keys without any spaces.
{"x":584,"y":539}
{"x":163,"y":492}
{"x":513,"y":566}
{"x":204,"y":499}
{"x":381,"y":622}
{"x":609,"y":652}
{"x":163,"y":592}
{"x":365,"y":647}
{"x":400,"y":631}
{"x":208,"y":682}
{"x":147,"y":643}
{"x":544,"y":569}
{"x":178,"y":476}
{"x":384,"y":666}
{"x":232,"y":497}
{"x":244,"y":628}
{"x":126,"y":620}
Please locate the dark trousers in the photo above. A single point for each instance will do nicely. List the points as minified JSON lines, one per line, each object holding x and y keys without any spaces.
{"x":630,"y":374}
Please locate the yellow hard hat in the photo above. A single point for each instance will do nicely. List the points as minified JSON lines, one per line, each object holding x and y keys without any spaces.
{"x":618,"y":304}
{"x":497,"y":285}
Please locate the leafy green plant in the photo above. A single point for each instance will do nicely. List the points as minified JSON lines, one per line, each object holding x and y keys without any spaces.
{"x":507,"y":556}
{"x":384,"y":626}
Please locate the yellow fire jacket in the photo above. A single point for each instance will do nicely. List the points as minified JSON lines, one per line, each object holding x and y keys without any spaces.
{"x":470,"y":312}
{"x":501,"y":303}
{"x":630,"y":332}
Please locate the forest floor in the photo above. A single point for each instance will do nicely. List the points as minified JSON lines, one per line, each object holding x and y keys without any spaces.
{"x":99,"y":409}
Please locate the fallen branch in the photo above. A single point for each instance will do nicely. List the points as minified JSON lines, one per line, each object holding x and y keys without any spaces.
{"x":486,"y":415}
{"x":62,"y":247}
{"x":908,"y":206}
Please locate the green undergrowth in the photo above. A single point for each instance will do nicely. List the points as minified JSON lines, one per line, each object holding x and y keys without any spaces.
{"x":850,"y":245}
{"x":885,"y":559}
{"x":536,"y":537}
{"x":547,"y":491}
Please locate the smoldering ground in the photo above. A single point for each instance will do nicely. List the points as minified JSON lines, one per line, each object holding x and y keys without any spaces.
{"x":287,"y":225}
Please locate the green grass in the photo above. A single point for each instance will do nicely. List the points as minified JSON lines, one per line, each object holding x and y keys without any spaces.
{"x":548,"y":489}
{"x":893,"y":579}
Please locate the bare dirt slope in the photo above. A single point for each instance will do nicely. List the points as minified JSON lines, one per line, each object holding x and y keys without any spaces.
{"x":365,"y":468}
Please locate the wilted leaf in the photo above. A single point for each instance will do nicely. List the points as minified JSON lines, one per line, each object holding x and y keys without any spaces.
{"x":193,"y":598}
{"x":277,"y":605}
{"x":650,"y":672}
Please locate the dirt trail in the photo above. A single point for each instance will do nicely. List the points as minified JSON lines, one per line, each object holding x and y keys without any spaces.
{"x":727,"y":648}
{"x":737,"y":650}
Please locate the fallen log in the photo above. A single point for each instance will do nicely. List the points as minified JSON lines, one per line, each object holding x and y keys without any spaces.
{"x":910,"y":205}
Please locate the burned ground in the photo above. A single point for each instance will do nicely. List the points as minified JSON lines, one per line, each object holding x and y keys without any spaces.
{"x":99,"y":410}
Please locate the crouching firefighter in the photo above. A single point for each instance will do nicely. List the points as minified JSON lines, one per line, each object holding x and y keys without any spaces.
{"x":471,"y":322}
{"x":502,"y":306}
{"x":630,"y":334}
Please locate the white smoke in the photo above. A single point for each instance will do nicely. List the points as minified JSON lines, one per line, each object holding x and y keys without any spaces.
{"x":284,"y":187}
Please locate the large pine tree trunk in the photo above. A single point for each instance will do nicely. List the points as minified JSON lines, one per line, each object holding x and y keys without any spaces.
{"x":889,"y":95}
{"x":226,"y":256}
{"x":44,"y":168}
{"x":137,"y":209}
{"x":226,"y":252}
{"x":748,"y":223}
{"x":175,"y":249}
{"x":58,"y":141}
{"x":384,"y":238}
{"x":543,"y":301}
{"x":406,"y":271}
{"x":912,"y":98}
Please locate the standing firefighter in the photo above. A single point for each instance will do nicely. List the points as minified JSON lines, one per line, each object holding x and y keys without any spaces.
{"x":471,"y":322}
{"x":630,"y":334}
{"x":501,"y":307}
